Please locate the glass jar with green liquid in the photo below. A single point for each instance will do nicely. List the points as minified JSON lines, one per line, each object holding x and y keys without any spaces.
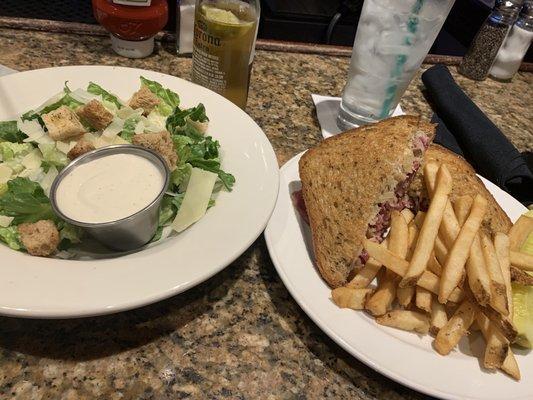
{"x":223,"y":46}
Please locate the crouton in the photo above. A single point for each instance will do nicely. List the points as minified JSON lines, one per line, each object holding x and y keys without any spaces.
{"x":63,"y":123}
{"x":95,"y":114}
{"x":82,"y":147}
{"x":144,"y":99}
{"x":161,"y":143}
{"x":40,"y":238}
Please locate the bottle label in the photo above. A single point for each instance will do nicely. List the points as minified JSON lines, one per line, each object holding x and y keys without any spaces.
{"x":223,"y":43}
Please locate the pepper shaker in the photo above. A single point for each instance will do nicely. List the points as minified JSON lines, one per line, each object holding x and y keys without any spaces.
{"x":482,"y":52}
{"x":515,"y":46}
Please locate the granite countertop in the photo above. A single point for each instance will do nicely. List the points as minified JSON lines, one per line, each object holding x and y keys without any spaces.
{"x":240,"y":334}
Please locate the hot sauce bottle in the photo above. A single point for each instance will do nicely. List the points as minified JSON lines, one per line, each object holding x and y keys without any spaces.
{"x":132,"y":24}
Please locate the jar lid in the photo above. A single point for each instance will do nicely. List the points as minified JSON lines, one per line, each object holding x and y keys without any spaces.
{"x":132,"y":49}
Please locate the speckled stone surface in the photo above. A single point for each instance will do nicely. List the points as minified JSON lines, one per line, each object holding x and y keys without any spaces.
{"x":239,"y":335}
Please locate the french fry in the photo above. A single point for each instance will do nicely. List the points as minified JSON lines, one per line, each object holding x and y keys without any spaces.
{"x":522,"y":260}
{"x":423,"y":299}
{"x":380,"y":302}
{"x":450,"y":334}
{"x":503,"y":323}
{"x":439,"y":318}
{"x":407,"y":215}
{"x":502,"y":246}
{"x":510,"y":366}
{"x":499,"y":299}
{"x":477,"y":274}
{"x":355,"y":299}
{"x":454,"y":268}
{"x":519,"y":232}
{"x":521,"y":277}
{"x":419,"y":219}
{"x":405,"y":295}
{"x":405,"y":320}
{"x":398,"y":235}
{"x":441,"y":252}
{"x":434,"y":265}
{"x":427,"y":280}
{"x":497,"y":345}
{"x":431,"y":170}
{"x":368,"y":272}
{"x":449,"y":228}
{"x":430,"y":228}
{"x":366,"y":275}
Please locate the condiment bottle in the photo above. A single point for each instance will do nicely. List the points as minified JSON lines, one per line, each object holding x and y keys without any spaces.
{"x":132,"y":24}
{"x":223,"y":46}
{"x":515,"y":46}
{"x":483,"y":49}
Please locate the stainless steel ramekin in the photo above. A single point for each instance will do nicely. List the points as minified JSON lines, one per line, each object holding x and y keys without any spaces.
{"x":130,"y":232}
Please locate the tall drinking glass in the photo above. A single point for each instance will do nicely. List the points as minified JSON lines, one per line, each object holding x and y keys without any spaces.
{"x":393,"y":37}
{"x":223,"y":46}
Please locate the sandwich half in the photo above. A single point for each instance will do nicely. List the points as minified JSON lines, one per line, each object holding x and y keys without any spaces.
{"x":352,"y":182}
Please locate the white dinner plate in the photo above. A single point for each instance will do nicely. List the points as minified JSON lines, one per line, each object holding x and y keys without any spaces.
{"x":402,"y":356}
{"x":54,"y":288}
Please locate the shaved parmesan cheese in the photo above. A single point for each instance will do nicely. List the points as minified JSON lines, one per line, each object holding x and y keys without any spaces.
{"x":32,"y":160}
{"x":126,"y":112}
{"x":139,"y":128}
{"x":5,"y":221}
{"x":63,"y":147}
{"x":155,"y":122}
{"x":118,"y":140}
{"x":48,"y":179}
{"x":5,"y":173}
{"x":102,"y":142}
{"x":196,"y":199}
{"x":35,"y":174}
{"x":34,"y":131}
{"x":114,"y":128}
{"x":90,"y":137}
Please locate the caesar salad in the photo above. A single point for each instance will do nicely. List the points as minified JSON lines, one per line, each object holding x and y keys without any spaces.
{"x":35,"y":147}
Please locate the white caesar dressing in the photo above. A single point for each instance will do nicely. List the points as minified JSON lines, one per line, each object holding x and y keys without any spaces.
{"x":109,"y":188}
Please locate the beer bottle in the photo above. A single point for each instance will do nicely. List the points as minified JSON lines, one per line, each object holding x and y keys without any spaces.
{"x":223,"y":46}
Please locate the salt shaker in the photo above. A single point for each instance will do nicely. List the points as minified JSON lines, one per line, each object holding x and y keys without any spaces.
{"x":482,"y":52}
{"x":515,"y":45}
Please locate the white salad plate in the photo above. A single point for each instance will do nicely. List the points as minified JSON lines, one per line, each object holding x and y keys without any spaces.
{"x":38,"y":287}
{"x":402,"y":356}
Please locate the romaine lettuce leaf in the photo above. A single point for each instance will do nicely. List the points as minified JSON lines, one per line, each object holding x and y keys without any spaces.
{"x":128,"y":130}
{"x":10,"y":236}
{"x":67,"y":232}
{"x":169,"y":99}
{"x":8,"y":150}
{"x":98,"y":90}
{"x":52,"y":156}
{"x":25,"y":201}
{"x":10,"y":132}
{"x":180,"y":121}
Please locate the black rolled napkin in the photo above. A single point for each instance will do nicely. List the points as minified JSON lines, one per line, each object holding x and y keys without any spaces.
{"x":467,"y":131}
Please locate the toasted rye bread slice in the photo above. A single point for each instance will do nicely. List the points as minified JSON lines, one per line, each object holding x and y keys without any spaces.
{"x":465,"y":182}
{"x":345,"y":178}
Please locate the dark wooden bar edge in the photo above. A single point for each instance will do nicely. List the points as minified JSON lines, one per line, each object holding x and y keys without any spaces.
{"x":262,"y":44}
